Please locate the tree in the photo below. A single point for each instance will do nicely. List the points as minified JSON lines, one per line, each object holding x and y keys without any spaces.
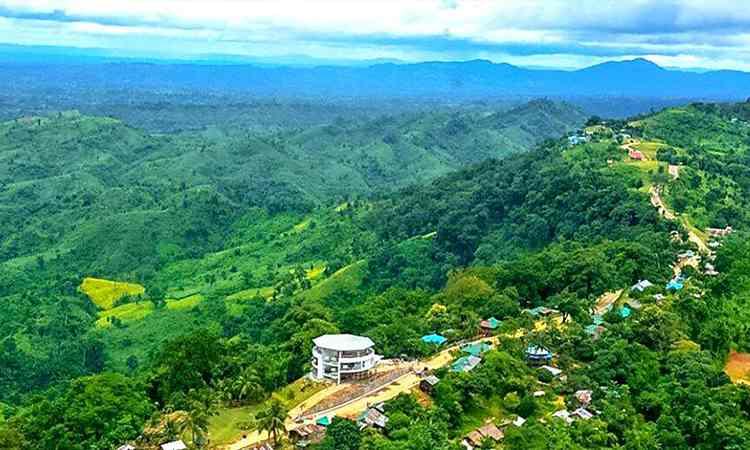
{"x":195,"y":423}
{"x":247,"y":387}
{"x":100,"y":411}
{"x":342,"y":434}
{"x":271,"y":419}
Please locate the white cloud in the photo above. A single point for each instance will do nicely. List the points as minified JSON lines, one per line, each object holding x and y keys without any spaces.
{"x":669,"y":30}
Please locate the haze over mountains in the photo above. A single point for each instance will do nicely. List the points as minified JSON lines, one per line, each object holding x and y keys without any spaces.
{"x":464,"y":80}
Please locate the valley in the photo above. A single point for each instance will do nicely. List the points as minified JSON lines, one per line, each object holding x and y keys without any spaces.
{"x":183,"y":277}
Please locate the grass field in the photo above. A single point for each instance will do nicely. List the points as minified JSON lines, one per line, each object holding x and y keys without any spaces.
{"x":230,"y":423}
{"x":104,"y":293}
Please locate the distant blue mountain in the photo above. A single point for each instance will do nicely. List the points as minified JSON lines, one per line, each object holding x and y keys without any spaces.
{"x":478,"y":79}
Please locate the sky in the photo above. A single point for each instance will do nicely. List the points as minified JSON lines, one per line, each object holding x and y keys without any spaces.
{"x":565,"y":34}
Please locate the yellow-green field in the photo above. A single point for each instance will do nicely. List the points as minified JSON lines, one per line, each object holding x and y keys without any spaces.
{"x":185,"y":303}
{"x":127,"y":313}
{"x":104,"y":293}
{"x":344,"y":279}
{"x":649,"y":148}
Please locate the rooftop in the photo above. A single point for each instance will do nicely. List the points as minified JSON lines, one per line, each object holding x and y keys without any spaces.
{"x":343,"y":342}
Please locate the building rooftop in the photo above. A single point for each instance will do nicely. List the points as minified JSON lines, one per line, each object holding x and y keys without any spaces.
{"x":434,"y":339}
{"x":176,"y":445}
{"x":343,"y":342}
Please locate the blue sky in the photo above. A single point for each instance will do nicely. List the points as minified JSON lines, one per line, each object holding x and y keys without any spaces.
{"x":553,"y":33}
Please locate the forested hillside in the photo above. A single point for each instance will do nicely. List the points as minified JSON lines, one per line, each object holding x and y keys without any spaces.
{"x":240,"y":250}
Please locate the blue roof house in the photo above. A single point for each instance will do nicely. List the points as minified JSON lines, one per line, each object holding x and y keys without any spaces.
{"x":434,"y":339}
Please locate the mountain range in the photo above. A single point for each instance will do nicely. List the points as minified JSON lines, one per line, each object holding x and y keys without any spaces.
{"x":459,"y":81}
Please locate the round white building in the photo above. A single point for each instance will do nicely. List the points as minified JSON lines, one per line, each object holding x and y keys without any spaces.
{"x":341,"y":357}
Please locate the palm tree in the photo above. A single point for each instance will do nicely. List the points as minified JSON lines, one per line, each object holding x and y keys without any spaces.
{"x":247,"y":386}
{"x":195,"y":423}
{"x":271,"y":419}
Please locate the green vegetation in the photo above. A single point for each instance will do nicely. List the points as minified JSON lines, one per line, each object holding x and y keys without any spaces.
{"x":239,"y":250}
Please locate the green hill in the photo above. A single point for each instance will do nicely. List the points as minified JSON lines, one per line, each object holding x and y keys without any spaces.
{"x":247,"y":250}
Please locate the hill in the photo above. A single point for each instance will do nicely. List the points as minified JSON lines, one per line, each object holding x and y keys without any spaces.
{"x":229,"y":312}
{"x":475,"y":79}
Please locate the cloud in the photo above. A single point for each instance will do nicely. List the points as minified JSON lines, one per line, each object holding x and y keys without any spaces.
{"x":683,"y":32}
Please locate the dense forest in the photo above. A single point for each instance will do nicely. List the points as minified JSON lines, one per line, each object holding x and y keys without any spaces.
{"x":233,"y":251}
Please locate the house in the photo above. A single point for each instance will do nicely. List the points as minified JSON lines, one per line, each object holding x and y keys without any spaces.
{"x":435,"y":339}
{"x":594,"y":330}
{"x":488,"y":431}
{"x":564,"y":415}
{"x":582,"y":413}
{"x":323,"y":421}
{"x":541,"y":311}
{"x":583,"y":397}
{"x":126,"y":447}
{"x":537,"y":355}
{"x":641,"y":285}
{"x":538,"y":394}
{"x":466,"y":363}
{"x":373,"y":417}
{"x":263,"y":446}
{"x":676,"y":284}
{"x":711,"y":270}
{"x":658,"y":297}
{"x":476,"y":349}
{"x":576,"y":139}
{"x":519,"y":421}
{"x":625,"y":312}
{"x":305,"y":435}
{"x":719,"y":232}
{"x":175,"y":445}
{"x":427,"y":385}
{"x":489,"y":326}
{"x":635,"y":154}
{"x":633,"y":303}
{"x":341,"y":357}
{"x":553,"y":370}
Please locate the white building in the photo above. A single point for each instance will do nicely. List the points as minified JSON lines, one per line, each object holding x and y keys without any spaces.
{"x":176,"y":445}
{"x":340,"y":357}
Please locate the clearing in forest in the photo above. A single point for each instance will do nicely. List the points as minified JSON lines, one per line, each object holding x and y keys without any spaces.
{"x":104,"y":293}
{"x":738,"y":367}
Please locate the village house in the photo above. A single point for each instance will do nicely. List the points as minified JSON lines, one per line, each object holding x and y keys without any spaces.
{"x":519,"y":421}
{"x":476,"y":437}
{"x":341,"y":357}
{"x":466,"y":363}
{"x":305,"y":435}
{"x":541,"y":311}
{"x":583,"y":397}
{"x":635,"y":154}
{"x":552,"y":370}
{"x":476,"y":349}
{"x":641,"y":285}
{"x":434,"y":339}
{"x":711,"y":270}
{"x":175,"y":445}
{"x":427,"y":385}
{"x":582,"y":413}
{"x":263,"y":446}
{"x":538,"y":355}
{"x":719,"y":232}
{"x":126,"y":447}
{"x":489,"y":326}
{"x":374,"y":417}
